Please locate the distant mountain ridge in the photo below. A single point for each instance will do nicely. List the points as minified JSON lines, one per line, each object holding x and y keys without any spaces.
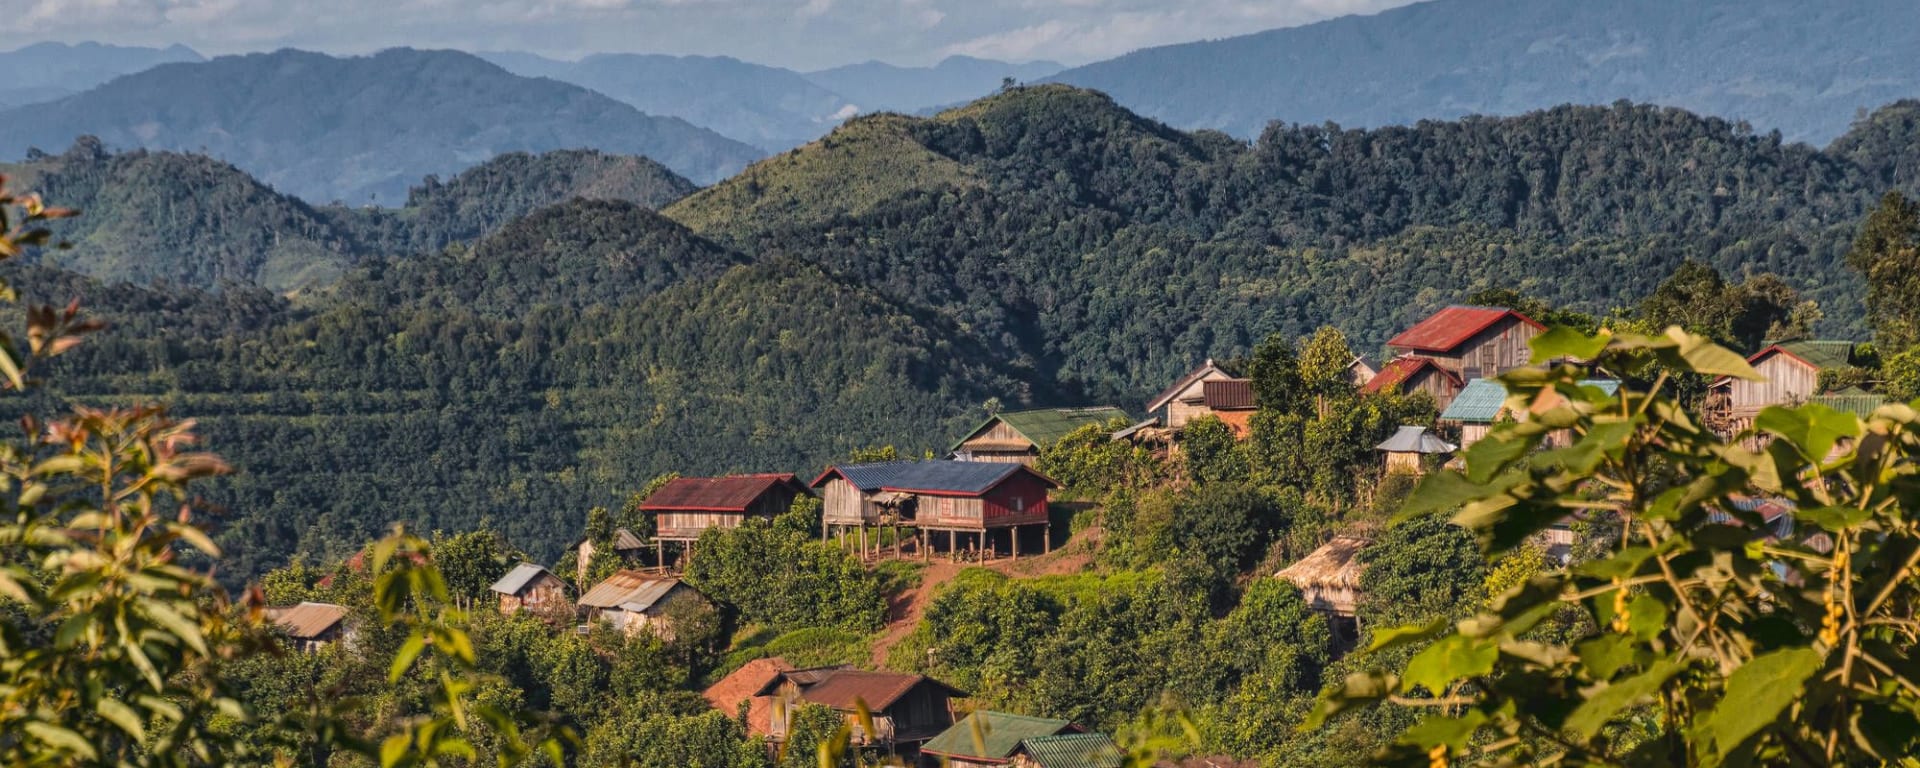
{"x":878,"y":86}
{"x":48,"y":71}
{"x":769,"y":107}
{"x":1805,"y":69}
{"x":361,"y":129}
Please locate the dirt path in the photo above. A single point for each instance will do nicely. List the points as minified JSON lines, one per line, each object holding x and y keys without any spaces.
{"x":904,"y":609}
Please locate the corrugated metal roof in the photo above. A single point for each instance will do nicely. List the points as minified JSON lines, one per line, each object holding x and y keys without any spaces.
{"x":1151,"y":421}
{"x":991,"y":736}
{"x":307,"y":621}
{"x":1045,"y":426}
{"x":965,"y":477}
{"x":1821,"y":353}
{"x":1335,"y":563}
{"x":629,"y":591}
{"x":745,"y":684}
{"x":1410,"y":439}
{"x":1478,"y":403}
{"x":1449,"y":328}
{"x":518,"y":578}
{"x":1860,"y":404}
{"x":732,"y":493}
{"x":1401,"y":370}
{"x":1074,"y":750}
{"x":843,"y":688}
{"x":1228,"y":394}
{"x":1207,"y":368}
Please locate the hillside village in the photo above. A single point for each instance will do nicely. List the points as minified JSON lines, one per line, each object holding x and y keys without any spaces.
{"x":987,"y":500}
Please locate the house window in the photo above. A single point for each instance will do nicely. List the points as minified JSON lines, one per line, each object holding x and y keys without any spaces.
{"x":1019,"y":504}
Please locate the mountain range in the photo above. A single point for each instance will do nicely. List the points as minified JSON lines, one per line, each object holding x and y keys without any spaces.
{"x":361,"y":129}
{"x":1040,"y":246}
{"x":1805,"y":69}
{"x":47,"y":71}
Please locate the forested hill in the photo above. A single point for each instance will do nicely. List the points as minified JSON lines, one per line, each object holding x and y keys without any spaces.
{"x":1109,"y":251}
{"x":193,"y":221}
{"x":351,"y":129}
{"x":1803,"y":68}
{"x":1041,"y":246}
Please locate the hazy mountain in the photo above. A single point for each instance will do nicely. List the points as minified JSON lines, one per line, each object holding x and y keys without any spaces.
{"x":47,"y":71}
{"x":1804,"y":68}
{"x":768,"y":107}
{"x":878,"y":86}
{"x":328,"y":128}
{"x":190,"y":220}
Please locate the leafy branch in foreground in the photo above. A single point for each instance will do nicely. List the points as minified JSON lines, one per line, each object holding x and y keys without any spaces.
{"x":1719,"y":641}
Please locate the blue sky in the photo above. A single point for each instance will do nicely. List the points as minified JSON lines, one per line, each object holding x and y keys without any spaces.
{"x":804,"y":34}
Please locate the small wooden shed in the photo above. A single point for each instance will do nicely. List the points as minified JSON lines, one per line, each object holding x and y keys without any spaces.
{"x":627,"y":546}
{"x":311,"y":626}
{"x":1792,"y":376}
{"x":1329,"y":577}
{"x":686,"y":507}
{"x":633,"y":600}
{"x":1408,"y":374}
{"x":1407,"y":450}
{"x":531,"y":587}
{"x":1019,"y":436}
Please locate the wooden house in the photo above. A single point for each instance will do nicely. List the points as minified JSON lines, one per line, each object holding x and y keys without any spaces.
{"x":984,"y":739}
{"x":907,"y":709}
{"x":1019,"y":436}
{"x":1329,"y":577}
{"x":1411,"y":373}
{"x":1411,"y":448}
{"x":311,"y":626}
{"x":958,"y":497}
{"x":627,"y":546}
{"x":632,"y":601}
{"x":1361,"y":371}
{"x":1471,"y":342}
{"x":1792,"y":376}
{"x":1483,"y":403}
{"x":1185,"y":400}
{"x":1069,"y":750}
{"x":533,"y":588}
{"x":686,"y":507}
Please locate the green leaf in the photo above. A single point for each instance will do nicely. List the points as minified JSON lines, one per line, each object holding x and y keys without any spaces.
{"x":1561,"y":341}
{"x":1443,"y":491}
{"x":1357,"y":689}
{"x":1701,"y":355}
{"x":1834,"y":519}
{"x":122,"y":716}
{"x":1394,"y":637}
{"x":1451,"y":658}
{"x":1812,"y":428}
{"x":1451,"y":731}
{"x":403,"y":658}
{"x":1756,"y":694}
{"x":60,"y":738}
{"x":1647,"y":616}
{"x":1607,"y":701}
{"x":1606,"y":655}
{"x":393,"y":750}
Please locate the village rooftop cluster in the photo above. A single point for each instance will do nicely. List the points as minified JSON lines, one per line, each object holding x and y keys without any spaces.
{"x":986,"y":498}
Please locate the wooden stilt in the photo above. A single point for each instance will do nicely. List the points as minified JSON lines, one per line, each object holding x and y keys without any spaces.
{"x":659,"y":554}
{"x":863,"y":541}
{"x":1013,"y":537}
{"x":1047,"y":538}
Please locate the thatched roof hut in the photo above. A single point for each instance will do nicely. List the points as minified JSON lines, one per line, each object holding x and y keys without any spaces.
{"x":1329,"y":577}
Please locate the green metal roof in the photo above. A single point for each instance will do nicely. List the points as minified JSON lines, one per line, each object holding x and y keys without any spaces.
{"x":1478,"y":403}
{"x":1074,"y":750}
{"x":1045,"y":426}
{"x":991,"y":736}
{"x":1854,"y":401}
{"x":1823,"y":354}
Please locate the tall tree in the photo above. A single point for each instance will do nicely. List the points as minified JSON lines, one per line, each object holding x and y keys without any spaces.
{"x":1887,"y":254}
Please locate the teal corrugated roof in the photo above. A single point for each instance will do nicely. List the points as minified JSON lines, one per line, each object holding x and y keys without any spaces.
{"x":1074,"y":750}
{"x":1478,"y":403}
{"x":991,"y":735}
{"x":1045,"y":426}
{"x":1861,"y":404}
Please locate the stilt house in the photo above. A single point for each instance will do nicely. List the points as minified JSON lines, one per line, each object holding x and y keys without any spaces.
{"x":1019,"y":436}
{"x":955,"y":497}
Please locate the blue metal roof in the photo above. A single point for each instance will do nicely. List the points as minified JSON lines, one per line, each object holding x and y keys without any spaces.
{"x":933,"y":475}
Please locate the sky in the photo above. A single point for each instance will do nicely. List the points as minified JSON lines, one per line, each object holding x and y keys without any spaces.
{"x":802,"y":34}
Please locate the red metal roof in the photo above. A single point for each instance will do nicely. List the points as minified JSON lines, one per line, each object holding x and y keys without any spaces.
{"x":878,"y":689}
{"x":733,"y":493}
{"x":1449,"y":328}
{"x":744,"y":684}
{"x":1228,"y":394}
{"x":1401,"y":370}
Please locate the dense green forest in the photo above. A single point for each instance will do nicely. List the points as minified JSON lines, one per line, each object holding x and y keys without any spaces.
{"x":1040,"y":246}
